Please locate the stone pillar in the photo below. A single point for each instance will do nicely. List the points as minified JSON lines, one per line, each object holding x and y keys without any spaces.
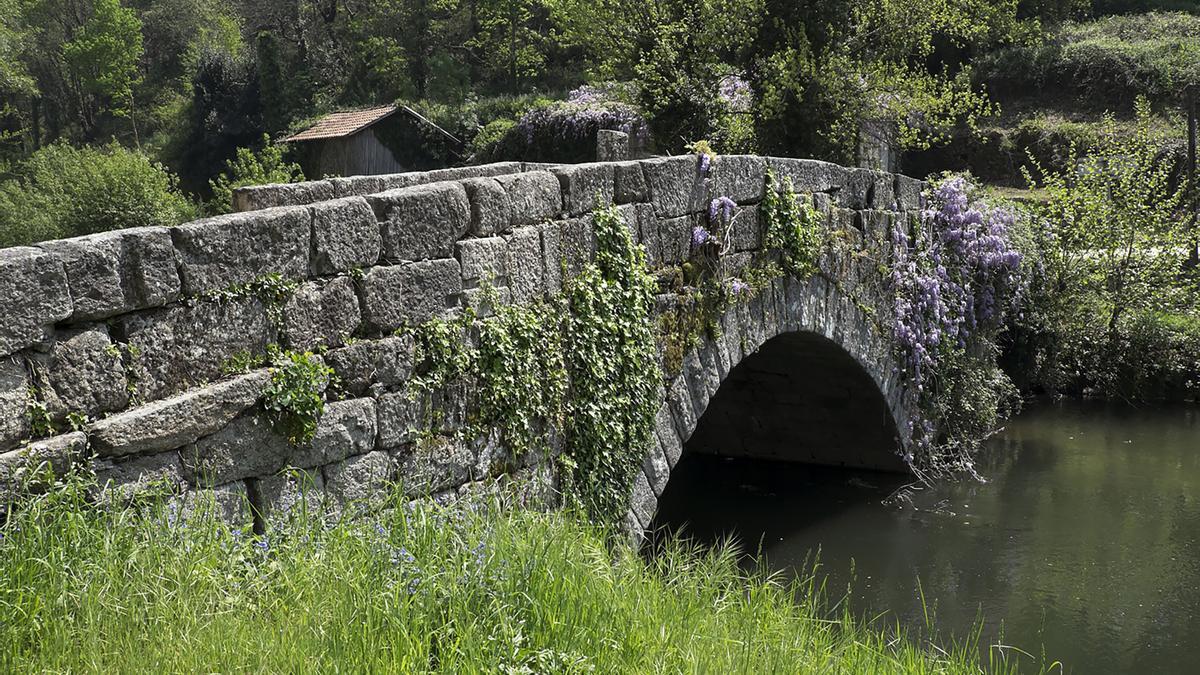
{"x":612,"y":146}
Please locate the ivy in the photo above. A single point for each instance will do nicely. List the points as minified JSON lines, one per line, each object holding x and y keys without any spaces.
{"x":793,"y":226}
{"x":273,"y":290}
{"x":522,"y":376}
{"x":294,"y":398}
{"x":612,"y":359}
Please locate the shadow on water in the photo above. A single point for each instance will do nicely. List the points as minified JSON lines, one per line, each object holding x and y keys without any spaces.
{"x":1085,"y":537}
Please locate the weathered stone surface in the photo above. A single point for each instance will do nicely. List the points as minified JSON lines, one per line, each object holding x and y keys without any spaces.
{"x":289,"y":494}
{"x":14,"y":403}
{"x":401,"y":419}
{"x":229,"y":502}
{"x":808,"y":175}
{"x":411,"y":293}
{"x":676,"y":239}
{"x":742,"y":178}
{"x":387,"y":362}
{"x":857,"y":188}
{"x":630,"y":184}
{"x":321,"y":314}
{"x":552,"y":256}
{"x":611,"y":145}
{"x":184,"y":345}
{"x":22,"y":471}
{"x":245,"y":448}
{"x":345,"y":236}
{"x":679,"y":398}
{"x":675,"y":184}
{"x":175,"y":422}
{"x":346,"y":428}
{"x":33,"y":296}
{"x":650,"y":235}
{"x":424,"y":221}
{"x":111,"y":273}
{"x":124,"y":479}
{"x":359,"y":479}
{"x":578,"y":244}
{"x":534,"y":197}
{"x":644,"y":503}
{"x":908,"y":193}
{"x":350,"y":186}
{"x":237,"y":248}
{"x":490,"y":208}
{"x":526,"y":275}
{"x":482,"y":261}
{"x":657,"y":469}
{"x":883,"y":192}
{"x":434,"y":464}
{"x":747,"y":229}
{"x":585,"y":187}
{"x":668,"y":435}
{"x":82,"y":373}
{"x":307,"y":192}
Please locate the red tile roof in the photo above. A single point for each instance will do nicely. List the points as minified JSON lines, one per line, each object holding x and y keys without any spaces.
{"x":341,"y":124}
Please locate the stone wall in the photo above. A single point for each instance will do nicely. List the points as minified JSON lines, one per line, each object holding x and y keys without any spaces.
{"x":127,"y":338}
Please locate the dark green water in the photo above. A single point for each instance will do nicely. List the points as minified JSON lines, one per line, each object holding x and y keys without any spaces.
{"x":1084,"y":543}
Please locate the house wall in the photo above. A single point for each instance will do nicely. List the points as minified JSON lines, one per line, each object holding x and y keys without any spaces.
{"x":359,"y":155}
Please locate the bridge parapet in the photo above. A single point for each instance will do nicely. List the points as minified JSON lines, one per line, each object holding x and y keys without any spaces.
{"x":131,"y":337}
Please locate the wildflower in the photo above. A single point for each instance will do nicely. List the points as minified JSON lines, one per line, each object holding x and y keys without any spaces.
{"x":738,"y":287}
{"x":700,"y":236}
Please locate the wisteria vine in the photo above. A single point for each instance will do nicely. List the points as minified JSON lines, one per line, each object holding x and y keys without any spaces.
{"x":954,"y":279}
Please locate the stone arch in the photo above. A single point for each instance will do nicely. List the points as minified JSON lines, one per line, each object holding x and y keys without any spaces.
{"x":802,"y":332}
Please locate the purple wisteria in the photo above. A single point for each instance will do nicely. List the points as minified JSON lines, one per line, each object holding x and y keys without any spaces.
{"x":720,"y":207}
{"x":954,"y":280}
{"x":701,"y":236}
{"x":735,"y":92}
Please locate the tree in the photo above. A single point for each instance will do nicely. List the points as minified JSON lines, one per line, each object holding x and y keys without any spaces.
{"x":1115,"y":219}
{"x":103,"y":62}
{"x":838,"y":65}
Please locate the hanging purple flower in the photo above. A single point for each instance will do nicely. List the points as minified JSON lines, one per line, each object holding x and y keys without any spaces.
{"x":735,"y":93}
{"x":955,"y":279}
{"x":723,"y":206}
{"x":700,"y":236}
{"x":705,"y":164}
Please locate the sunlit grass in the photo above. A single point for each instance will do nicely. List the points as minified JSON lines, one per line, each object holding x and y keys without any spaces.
{"x":409,"y":589}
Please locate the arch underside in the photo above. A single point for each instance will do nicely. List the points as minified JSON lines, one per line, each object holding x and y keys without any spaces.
{"x":800,"y":398}
{"x":800,"y":373}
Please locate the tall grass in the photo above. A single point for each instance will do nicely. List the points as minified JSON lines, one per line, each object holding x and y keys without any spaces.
{"x":477,"y":588}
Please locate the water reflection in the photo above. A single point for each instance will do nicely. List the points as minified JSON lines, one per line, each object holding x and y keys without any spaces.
{"x":1083,"y":540}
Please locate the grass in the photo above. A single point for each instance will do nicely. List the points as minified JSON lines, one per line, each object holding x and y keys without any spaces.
{"x":410,"y":589}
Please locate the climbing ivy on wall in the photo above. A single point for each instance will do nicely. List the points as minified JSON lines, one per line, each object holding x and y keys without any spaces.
{"x":583,"y":364}
{"x":612,"y":359}
{"x":793,"y":226}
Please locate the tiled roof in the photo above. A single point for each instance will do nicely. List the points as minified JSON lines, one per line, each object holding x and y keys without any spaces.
{"x":340,"y":124}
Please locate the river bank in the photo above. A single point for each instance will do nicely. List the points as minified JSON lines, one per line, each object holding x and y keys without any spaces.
{"x":416,"y":589}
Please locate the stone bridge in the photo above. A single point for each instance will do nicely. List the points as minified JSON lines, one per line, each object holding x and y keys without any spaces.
{"x":119,"y":350}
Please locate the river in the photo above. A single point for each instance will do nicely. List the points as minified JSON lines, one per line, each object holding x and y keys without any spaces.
{"x":1083,"y":544}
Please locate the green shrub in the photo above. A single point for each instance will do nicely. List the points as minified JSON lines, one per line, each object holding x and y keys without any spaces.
{"x":294,"y":399}
{"x":252,"y":168}
{"x":61,"y":191}
{"x":1106,"y":62}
